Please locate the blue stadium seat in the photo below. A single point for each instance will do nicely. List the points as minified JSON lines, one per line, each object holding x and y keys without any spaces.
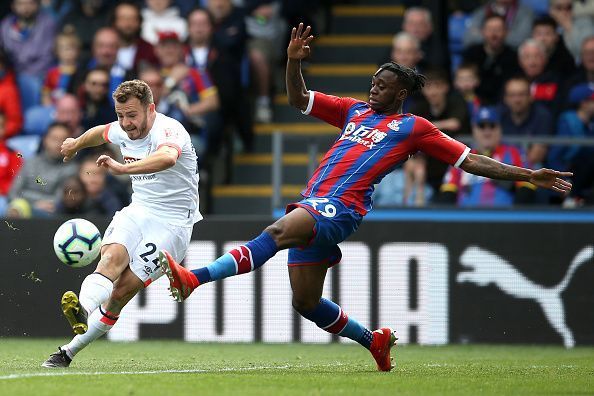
{"x":30,"y":91}
{"x":457,"y":25}
{"x":37,"y":119}
{"x":3,"y":205}
{"x":26,"y":145}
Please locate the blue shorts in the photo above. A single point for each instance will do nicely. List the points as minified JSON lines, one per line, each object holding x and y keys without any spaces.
{"x":334,"y":223}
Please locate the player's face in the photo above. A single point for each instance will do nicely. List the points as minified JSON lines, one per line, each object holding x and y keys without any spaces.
{"x":385,"y":95}
{"x":134,"y":117}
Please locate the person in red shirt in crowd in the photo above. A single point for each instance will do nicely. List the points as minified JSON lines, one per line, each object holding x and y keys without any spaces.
{"x":10,"y":163}
{"x":10,"y":103}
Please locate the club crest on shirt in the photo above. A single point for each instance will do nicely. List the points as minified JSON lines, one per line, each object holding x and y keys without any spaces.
{"x":394,"y":125}
{"x":169,"y":132}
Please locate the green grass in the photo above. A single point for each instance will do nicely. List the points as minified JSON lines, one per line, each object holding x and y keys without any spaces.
{"x":246,"y":369}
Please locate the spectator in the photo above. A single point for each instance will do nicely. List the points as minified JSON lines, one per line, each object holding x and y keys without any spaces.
{"x":189,"y":89}
{"x":517,"y":19}
{"x":102,"y":199}
{"x":134,"y":51}
{"x":59,"y":78}
{"x":74,"y":199}
{"x":160,"y":16}
{"x":418,"y":22}
{"x":544,"y":86}
{"x":404,"y":186}
{"x":447,"y":110}
{"x":229,"y":37}
{"x":466,"y":81}
{"x":574,"y":28}
{"x":94,"y":99}
{"x":496,"y":61}
{"x":10,"y":163}
{"x":86,"y":18}
{"x":406,"y":51}
{"x":105,"y":53}
{"x":521,"y":117}
{"x":584,"y":73}
{"x":68,"y":112}
{"x":10,"y":104}
{"x":578,"y":159}
{"x":27,"y":35}
{"x":263,"y":27}
{"x":560,"y":60}
{"x":37,"y":186}
{"x":470,"y":190}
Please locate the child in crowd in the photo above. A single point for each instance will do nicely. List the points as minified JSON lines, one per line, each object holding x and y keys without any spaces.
{"x":58,"y":78}
{"x":466,"y":80}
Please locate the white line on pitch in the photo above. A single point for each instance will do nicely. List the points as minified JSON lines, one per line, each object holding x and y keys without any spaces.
{"x":196,"y":371}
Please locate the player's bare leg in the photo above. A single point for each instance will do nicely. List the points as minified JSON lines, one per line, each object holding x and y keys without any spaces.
{"x":100,"y":321}
{"x":96,"y":288}
{"x":307,"y":283}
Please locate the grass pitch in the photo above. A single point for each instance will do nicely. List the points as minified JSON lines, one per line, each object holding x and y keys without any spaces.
{"x":177,"y":368}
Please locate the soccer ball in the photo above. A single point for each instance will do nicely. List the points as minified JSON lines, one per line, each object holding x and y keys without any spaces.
{"x":77,"y":243}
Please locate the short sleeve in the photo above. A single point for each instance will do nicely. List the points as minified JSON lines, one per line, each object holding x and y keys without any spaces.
{"x":433,"y":142}
{"x":329,"y":108}
{"x":172,"y":137}
{"x":110,"y":133}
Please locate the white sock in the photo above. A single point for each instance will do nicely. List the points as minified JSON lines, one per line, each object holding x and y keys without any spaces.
{"x":94,"y":291}
{"x":99,"y":323}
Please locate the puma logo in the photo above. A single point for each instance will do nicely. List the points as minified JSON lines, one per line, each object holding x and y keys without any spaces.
{"x":243,"y":259}
{"x":484,"y":268}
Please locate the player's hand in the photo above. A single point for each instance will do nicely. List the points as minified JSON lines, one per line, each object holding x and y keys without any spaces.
{"x":68,"y":149}
{"x":299,"y":45}
{"x":113,"y":166}
{"x":551,"y":179}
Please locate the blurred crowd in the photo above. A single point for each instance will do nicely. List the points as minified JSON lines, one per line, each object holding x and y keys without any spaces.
{"x":509,"y":68}
{"x":521,"y":68}
{"x":208,"y":62}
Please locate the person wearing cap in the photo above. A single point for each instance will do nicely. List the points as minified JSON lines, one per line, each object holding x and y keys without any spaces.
{"x":577,"y":123}
{"x":469,"y":190}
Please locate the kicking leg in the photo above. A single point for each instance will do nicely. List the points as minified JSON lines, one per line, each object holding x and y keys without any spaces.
{"x":293,"y":229}
{"x":100,"y":321}
{"x":96,"y":288}
{"x":307,"y":283}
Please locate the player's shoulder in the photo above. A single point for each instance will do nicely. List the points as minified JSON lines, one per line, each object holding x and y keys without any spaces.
{"x":165,"y":124}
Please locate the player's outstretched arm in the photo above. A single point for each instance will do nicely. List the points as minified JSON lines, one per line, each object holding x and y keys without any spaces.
{"x":297,"y":50}
{"x":163,"y":158}
{"x":547,"y":178}
{"x":92,"y":137}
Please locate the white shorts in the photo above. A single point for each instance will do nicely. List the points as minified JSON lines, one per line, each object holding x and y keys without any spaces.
{"x":144,"y":235}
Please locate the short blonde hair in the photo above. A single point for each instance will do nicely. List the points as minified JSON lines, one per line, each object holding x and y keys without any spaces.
{"x":133,"y":89}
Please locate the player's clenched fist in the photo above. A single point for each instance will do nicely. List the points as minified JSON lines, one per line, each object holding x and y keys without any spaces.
{"x":68,"y":149}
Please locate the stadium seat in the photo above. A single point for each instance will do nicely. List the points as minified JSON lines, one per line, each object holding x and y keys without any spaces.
{"x":457,"y":25}
{"x":26,"y":145}
{"x":3,"y":205}
{"x":30,"y":91}
{"x":37,"y":119}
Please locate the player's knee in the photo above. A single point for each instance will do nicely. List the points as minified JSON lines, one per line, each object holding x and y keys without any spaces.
{"x":275,"y":230}
{"x":304,"y":304}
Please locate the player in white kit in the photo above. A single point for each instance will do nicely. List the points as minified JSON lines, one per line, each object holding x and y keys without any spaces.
{"x":161,"y":162}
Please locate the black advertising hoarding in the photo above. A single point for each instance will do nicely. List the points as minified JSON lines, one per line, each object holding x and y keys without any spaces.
{"x":436,"y":282}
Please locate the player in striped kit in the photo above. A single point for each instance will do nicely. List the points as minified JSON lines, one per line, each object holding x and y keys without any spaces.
{"x":375,"y":138}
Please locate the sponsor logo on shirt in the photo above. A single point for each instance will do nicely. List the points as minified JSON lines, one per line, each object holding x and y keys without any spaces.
{"x":363,"y":135}
{"x":129,"y":160}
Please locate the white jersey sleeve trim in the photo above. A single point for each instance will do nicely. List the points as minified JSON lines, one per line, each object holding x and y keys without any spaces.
{"x":309,"y":104}
{"x":462,"y":157}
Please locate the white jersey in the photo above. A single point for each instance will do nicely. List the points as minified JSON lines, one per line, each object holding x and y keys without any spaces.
{"x":172,"y":194}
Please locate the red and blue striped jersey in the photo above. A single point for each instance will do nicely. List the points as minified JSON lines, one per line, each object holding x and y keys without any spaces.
{"x":370,"y":146}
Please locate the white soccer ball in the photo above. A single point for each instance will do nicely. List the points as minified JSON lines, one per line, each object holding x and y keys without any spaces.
{"x":77,"y":243}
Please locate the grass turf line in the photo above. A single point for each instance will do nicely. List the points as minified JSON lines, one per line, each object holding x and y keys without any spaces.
{"x":173,"y":367}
